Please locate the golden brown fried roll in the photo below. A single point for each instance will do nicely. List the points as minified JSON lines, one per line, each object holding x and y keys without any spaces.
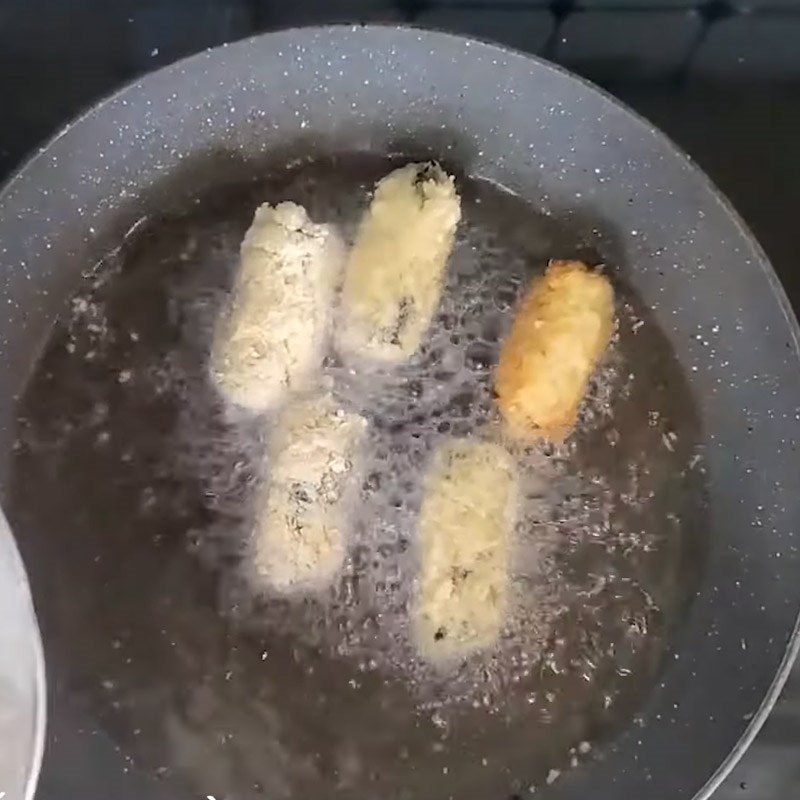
{"x":561,"y":329}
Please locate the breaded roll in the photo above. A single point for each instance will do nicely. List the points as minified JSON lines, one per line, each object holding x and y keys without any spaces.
{"x":299,"y":533}
{"x":394,"y":274}
{"x":465,"y":528}
{"x":272,"y":335}
{"x":561,"y":329}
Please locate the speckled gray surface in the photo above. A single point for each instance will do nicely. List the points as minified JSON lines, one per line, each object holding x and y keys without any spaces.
{"x":568,"y":150}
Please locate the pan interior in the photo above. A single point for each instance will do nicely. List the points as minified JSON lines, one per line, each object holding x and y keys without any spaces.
{"x":133,"y":486}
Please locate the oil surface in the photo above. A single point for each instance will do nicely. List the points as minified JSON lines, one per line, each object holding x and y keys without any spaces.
{"x":132,"y":486}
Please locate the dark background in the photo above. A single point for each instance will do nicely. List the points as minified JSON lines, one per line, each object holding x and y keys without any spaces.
{"x":721,"y":78}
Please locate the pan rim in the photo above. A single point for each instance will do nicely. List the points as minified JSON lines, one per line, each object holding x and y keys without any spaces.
{"x":792,"y":649}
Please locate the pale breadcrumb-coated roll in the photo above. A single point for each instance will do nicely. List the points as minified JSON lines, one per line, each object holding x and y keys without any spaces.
{"x":300,"y":526}
{"x":272,"y":335}
{"x":395,"y":271}
{"x":464,"y":540}
{"x":561,"y":329}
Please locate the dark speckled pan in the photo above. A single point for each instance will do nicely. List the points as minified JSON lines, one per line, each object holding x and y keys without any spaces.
{"x":569,"y":150}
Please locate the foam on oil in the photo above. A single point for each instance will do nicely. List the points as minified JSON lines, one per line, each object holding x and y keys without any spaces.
{"x":210,"y":681}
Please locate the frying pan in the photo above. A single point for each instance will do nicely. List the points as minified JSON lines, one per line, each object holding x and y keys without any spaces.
{"x":568,"y":150}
